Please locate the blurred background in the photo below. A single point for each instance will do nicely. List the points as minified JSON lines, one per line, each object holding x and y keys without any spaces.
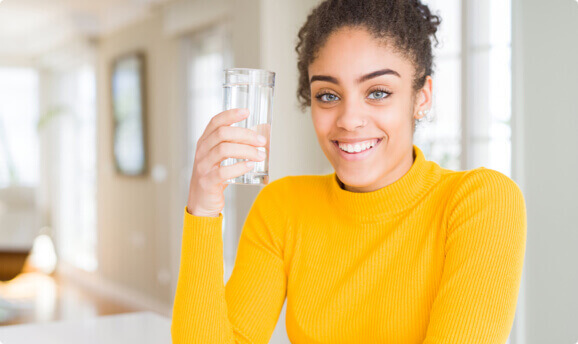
{"x":102,"y":102}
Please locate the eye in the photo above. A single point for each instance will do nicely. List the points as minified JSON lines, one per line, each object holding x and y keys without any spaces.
{"x":326,"y":97}
{"x":379,"y":94}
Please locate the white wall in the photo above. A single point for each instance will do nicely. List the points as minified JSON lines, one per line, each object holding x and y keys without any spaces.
{"x":133,"y":212}
{"x":545,"y":87}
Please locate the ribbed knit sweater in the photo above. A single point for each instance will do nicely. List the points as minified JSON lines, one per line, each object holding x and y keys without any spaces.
{"x":434,"y":258}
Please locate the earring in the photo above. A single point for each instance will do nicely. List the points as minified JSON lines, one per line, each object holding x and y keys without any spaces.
{"x":421,"y":113}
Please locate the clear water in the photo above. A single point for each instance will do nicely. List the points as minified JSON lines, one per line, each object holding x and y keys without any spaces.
{"x":258,"y":99}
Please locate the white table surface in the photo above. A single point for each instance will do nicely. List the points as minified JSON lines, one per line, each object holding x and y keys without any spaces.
{"x":128,"y":328}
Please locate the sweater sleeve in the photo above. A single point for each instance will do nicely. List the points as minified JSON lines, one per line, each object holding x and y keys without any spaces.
{"x":484,"y":255}
{"x":246,"y":310}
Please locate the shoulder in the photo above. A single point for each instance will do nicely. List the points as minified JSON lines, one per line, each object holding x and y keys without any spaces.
{"x":480,"y":182}
{"x":487,"y":183}
{"x":486,"y":193}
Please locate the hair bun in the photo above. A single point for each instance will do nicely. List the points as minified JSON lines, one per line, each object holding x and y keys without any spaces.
{"x":431,"y":21}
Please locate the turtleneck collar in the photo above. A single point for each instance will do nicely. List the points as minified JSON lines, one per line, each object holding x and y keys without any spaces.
{"x":376,"y":205}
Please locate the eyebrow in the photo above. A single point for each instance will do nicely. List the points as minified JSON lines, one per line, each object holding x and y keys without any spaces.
{"x":360,"y":80}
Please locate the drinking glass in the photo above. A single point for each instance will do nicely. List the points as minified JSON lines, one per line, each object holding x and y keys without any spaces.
{"x":251,"y":89}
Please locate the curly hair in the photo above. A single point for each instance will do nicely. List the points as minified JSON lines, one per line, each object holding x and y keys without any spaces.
{"x":405,"y":24}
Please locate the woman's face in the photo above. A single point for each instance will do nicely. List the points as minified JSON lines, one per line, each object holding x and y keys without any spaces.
{"x":361,"y":96}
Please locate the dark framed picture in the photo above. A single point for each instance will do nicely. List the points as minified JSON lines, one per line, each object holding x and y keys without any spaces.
{"x":129,"y":113}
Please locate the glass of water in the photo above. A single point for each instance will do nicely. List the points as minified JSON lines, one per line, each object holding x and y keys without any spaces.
{"x":251,"y":89}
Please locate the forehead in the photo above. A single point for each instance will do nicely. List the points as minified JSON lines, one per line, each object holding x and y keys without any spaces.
{"x":351,"y":52}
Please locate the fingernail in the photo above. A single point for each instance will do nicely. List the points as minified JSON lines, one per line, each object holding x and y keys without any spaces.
{"x":261,"y":139}
{"x":262,"y":154}
{"x":243,"y":112}
{"x":250,"y":163}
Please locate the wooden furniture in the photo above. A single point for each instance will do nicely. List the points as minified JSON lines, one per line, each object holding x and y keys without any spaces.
{"x":19,"y":224}
{"x":11,"y":263}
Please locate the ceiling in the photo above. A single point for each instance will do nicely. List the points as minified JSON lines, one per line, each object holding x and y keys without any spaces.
{"x":28,"y":27}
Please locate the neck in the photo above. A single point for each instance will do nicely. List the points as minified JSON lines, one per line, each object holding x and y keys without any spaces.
{"x":363,"y":207}
{"x":394,"y":175}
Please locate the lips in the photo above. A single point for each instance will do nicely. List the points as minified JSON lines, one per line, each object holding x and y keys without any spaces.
{"x":355,"y":156}
{"x":357,"y":146}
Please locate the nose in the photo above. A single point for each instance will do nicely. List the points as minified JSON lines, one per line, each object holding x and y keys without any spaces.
{"x":351,"y":115}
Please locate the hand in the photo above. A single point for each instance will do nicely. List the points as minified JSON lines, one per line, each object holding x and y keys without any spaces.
{"x":220,"y":141}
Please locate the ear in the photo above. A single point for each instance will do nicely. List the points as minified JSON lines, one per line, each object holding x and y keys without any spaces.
{"x":424,"y":99}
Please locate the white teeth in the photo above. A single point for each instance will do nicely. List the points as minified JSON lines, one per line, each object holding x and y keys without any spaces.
{"x":358,"y":147}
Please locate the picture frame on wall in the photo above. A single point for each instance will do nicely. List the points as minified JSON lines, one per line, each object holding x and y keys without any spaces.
{"x":128,"y":95}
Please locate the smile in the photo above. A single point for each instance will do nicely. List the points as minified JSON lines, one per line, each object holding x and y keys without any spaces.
{"x":358,"y":150}
{"x":357,"y":146}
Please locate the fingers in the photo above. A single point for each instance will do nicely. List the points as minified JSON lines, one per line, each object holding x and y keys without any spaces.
{"x":219,"y":141}
{"x":223,"y":173}
{"x":230,"y":134}
{"x":226,"y":150}
{"x":225,"y":118}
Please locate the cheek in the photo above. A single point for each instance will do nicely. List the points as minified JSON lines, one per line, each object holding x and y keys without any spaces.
{"x":392,"y":124}
{"x":399,"y":119}
{"x":322,"y":124}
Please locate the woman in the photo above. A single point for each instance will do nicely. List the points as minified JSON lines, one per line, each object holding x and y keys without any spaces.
{"x":391,"y":248}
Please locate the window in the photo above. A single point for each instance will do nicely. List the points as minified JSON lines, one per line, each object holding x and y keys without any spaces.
{"x":18,"y":121}
{"x":68,"y":131}
{"x":73,"y":137}
{"x":472,"y":81}
{"x":86,"y":241}
{"x":441,"y":138}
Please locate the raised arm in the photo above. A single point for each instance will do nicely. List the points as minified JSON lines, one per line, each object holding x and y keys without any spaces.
{"x":247,"y":309}
{"x":485,"y":248}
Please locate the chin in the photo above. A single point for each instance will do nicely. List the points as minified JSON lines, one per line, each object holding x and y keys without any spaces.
{"x":358,"y":179}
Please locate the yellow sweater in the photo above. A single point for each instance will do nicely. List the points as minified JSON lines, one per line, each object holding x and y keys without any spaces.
{"x":434,"y":258}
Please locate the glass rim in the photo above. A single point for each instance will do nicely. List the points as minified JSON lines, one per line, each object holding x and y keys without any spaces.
{"x":254,"y":70}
